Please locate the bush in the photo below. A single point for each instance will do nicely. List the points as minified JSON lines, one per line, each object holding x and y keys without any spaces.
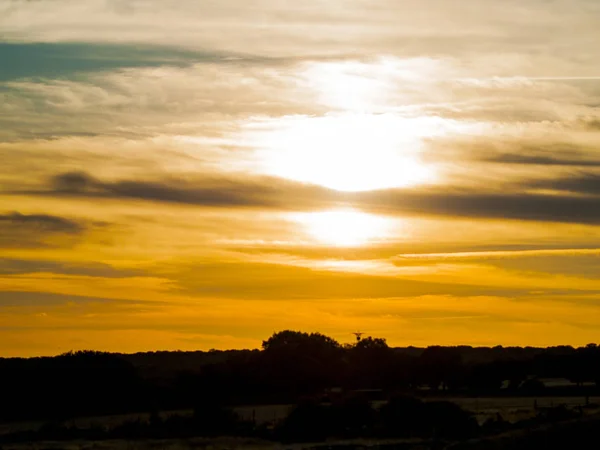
{"x":353,"y":416}
{"x":448,"y":420}
{"x":411,"y":417}
{"x":212,"y":419}
{"x":307,"y":422}
{"x":403,"y":416}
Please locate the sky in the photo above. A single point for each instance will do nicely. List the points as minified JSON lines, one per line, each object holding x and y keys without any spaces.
{"x":200,"y":174}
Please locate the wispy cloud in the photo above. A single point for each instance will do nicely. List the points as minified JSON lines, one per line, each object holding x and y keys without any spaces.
{"x":499,"y":254}
{"x":577,"y":182}
{"x":43,"y":223}
{"x":540,"y":159}
{"x":211,"y":192}
{"x":14,"y":266}
{"x":277,"y":193}
{"x":33,"y":230}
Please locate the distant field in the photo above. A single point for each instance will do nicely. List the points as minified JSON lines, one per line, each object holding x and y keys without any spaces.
{"x":162,"y":444}
{"x":511,"y":409}
{"x":514,"y":409}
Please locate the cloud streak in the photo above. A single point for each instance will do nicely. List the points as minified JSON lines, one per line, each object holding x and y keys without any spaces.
{"x":210,"y":192}
{"x":53,"y":60}
{"x":42,"y":223}
{"x":14,"y":266}
{"x":277,"y":27}
{"x":30,"y":230}
{"x":276,"y":193}
{"x":499,"y":254}
{"x":543,"y":160}
{"x":579,"y":183}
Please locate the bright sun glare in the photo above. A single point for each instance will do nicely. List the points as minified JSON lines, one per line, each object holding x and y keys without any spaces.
{"x":359,"y":145}
{"x":347,"y":153}
{"x":344,"y":227}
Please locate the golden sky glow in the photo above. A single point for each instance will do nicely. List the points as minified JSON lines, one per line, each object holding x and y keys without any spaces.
{"x":344,"y":228}
{"x":427,"y":172}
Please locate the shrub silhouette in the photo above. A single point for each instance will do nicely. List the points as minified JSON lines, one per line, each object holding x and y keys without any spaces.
{"x":307,"y":422}
{"x":352,"y":416}
{"x":211,"y":418}
{"x":403,"y":416}
{"x":410,"y":417}
{"x":533,"y":386}
{"x":557,"y":414}
{"x":448,"y":420}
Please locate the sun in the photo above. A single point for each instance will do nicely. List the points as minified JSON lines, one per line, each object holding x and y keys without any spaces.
{"x":359,"y":140}
{"x":344,"y":227}
{"x":345,"y":152}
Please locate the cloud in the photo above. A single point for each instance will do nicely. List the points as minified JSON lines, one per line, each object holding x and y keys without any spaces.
{"x":146,"y":101}
{"x":26,"y":299}
{"x":53,"y":60}
{"x":485,"y":205}
{"x":43,"y":223}
{"x":22,"y":230}
{"x":74,"y":182}
{"x":543,"y":160}
{"x":277,"y":281}
{"x":587,"y":183}
{"x":13,"y":266}
{"x":276,"y":27}
{"x":561,"y":145}
{"x":557,"y":262}
{"x":497,"y":254}
{"x":592,"y":124}
{"x":139,"y":92}
{"x":211,"y":191}
{"x":277,"y":193}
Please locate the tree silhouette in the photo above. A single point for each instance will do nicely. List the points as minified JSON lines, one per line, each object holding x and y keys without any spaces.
{"x":371,"y":343}
{"x":301,"y":363}
{"x":300,"y":341}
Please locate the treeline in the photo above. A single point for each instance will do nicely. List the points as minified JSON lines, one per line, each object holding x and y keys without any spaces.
{"x":291,"y":366}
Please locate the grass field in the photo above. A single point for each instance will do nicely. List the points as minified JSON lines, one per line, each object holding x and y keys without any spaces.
{"x":162,"y":444}
{"x":511,"y":409}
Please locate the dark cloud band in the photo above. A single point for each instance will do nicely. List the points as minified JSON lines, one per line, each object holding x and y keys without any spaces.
{"x":22,"y":230}
{"x":275,"y":193}
{"x":41,"y":223}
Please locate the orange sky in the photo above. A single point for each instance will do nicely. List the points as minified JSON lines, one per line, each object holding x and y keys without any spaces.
{"x":201,"y":175}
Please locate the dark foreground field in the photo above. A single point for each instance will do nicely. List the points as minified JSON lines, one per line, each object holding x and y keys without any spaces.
{"x":511,"y":409}
{"x":544,"y":427}
{"x":303,"y":388}
{"x":575,"y":434}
